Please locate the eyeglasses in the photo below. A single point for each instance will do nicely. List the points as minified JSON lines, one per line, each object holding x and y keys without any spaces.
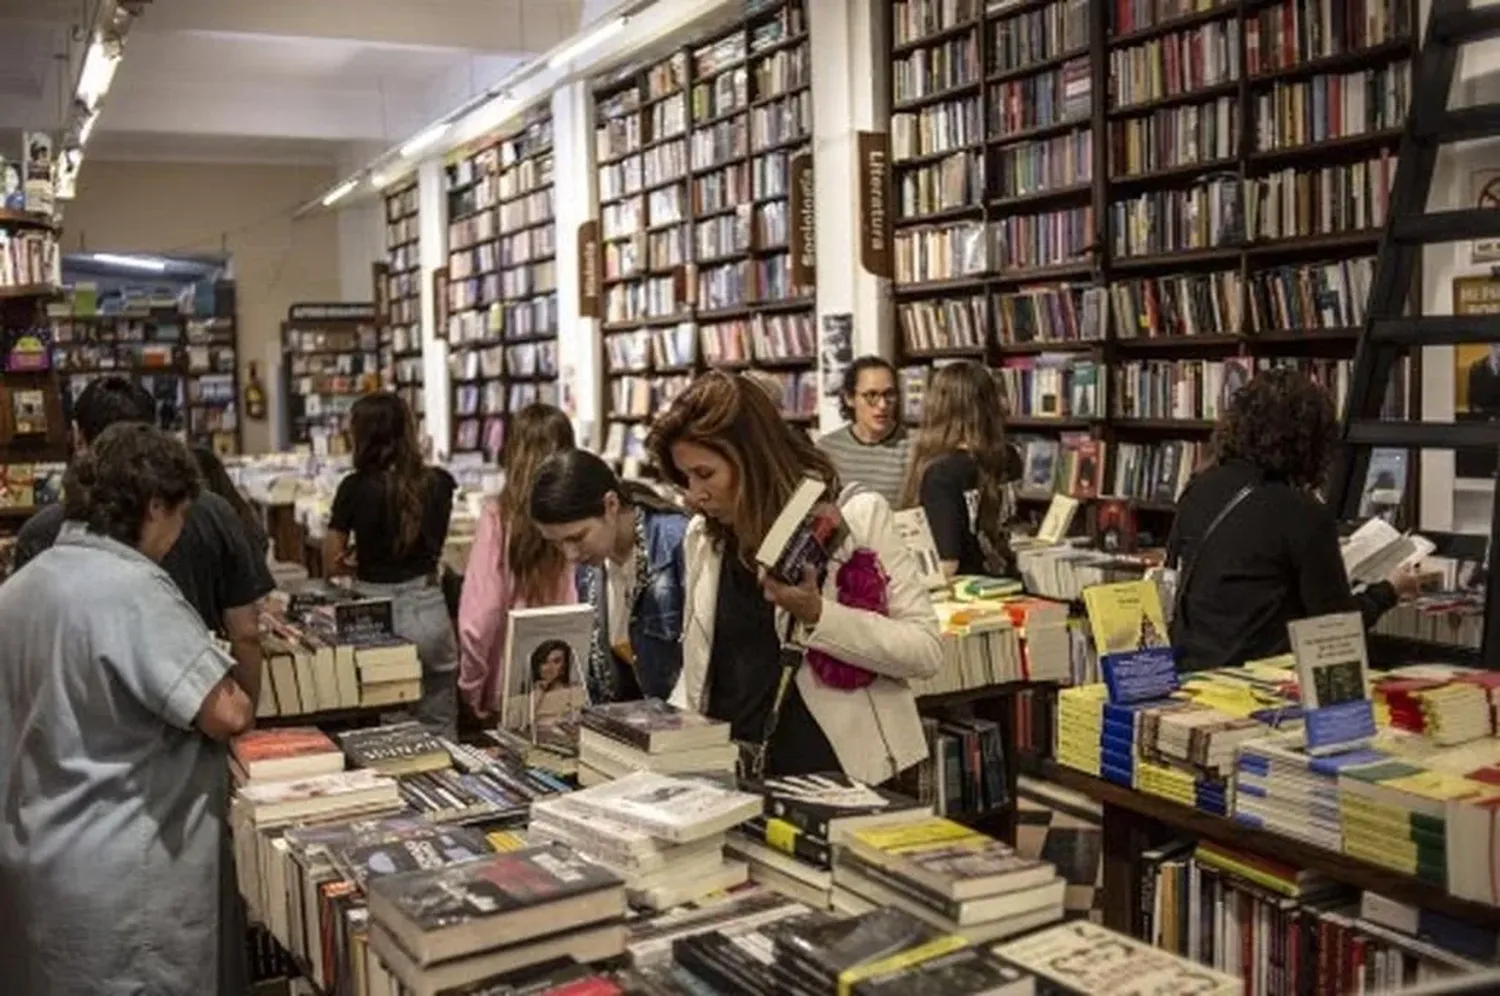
{"x":873,"y":398}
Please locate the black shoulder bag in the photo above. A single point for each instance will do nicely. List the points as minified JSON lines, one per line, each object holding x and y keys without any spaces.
{"x":1179,"y":595}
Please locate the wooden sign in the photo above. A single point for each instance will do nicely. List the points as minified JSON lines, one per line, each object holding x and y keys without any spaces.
{"x":590,"y":296}
{"x":803,"y":234}
{"x":440,"y":303}
{"x":380,"y":277}
{"x":332,"y":311}
{"x":874,"y":203}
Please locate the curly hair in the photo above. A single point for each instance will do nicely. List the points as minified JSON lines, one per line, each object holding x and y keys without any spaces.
{"x":110,"y":487}
{"x":1283,"y":423}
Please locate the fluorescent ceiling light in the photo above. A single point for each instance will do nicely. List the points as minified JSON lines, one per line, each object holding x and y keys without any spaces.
{"x":424,"y":140}
{"x":131,"y":262}
{"x":99,"y":65}
{"x":600,"y":34}
{"x":340,"y":192}
{"x":88,"y":128}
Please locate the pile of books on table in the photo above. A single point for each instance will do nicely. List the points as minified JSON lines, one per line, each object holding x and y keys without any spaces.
{"x":1281,"y":788}
{"x":662,"y":835}
{"x":617,"y":739}
{"x":1448,"y":706}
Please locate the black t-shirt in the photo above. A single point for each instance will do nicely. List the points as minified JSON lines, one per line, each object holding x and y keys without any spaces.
{"x":215,"y":562}
{"x":362,"y":508}
{"x":744,"y":672}
{"x":949,"y":497}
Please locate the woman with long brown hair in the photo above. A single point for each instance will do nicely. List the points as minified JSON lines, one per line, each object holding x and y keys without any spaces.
{"x":396,"y":508}
{"x":961,"y":470}
{"x":804,"y":673}
{"x":511,"y":565}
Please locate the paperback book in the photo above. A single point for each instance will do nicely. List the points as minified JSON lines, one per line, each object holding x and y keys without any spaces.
{"x":544,"y":691}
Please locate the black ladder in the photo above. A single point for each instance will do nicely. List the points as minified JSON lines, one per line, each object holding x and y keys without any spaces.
{"x":1389,"y":330}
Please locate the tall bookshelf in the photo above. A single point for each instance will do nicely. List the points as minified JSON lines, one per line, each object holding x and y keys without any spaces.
{"x":698,"y":158}
{"x":401,"y":339}
{"x":330,"y":358}
{"x":1147,"y":201}
{"x":502,"y":283}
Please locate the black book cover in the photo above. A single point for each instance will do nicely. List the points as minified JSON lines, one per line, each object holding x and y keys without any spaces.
{"x":718,"y":961}
{"x":441,"y":847}
{"x":634,"y":723}
{"x":965,"y":972}
{"x":787,"y":838}
{"x":833,"y":948}
{"x":492,"y":886}
{"x":367,"y":748}
{"x":800,"y":803}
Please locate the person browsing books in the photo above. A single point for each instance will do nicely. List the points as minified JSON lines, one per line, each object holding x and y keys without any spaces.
{"x":626,"y":541}
{"x":511,"y":565}
{"x":1253,"y":545}
{"x":811,"y":675}
{"x":962,"y":471}
{"x":396,"y":510}
{"x":114,"y":700}
{"x":872,"y":449}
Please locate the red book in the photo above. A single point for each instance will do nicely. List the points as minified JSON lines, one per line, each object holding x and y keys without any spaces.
{"x":293,"y":752}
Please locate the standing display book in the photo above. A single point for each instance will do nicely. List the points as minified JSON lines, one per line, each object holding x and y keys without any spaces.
{"x":544,"y":691}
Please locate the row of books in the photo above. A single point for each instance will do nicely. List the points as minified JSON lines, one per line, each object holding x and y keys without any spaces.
{"x":29,"y":258}
{"x":955,"y":250}
{"x":1203,"y":389}
{"x":1179,"y":63}
{"x":768,"y":338}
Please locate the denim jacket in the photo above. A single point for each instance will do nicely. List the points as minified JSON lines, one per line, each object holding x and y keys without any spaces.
{"x":656,"y":612}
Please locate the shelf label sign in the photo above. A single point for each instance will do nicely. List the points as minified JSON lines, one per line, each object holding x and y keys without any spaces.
{"x":590,"y":301}
{"x":804,"y":231}
{"x":874,"y":203}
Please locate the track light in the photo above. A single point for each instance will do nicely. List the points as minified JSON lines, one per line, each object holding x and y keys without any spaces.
{"x":424,"y":140}
{"x":340,"y":192}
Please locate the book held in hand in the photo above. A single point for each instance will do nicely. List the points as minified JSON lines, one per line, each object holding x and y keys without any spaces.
{"x":804,"y":536}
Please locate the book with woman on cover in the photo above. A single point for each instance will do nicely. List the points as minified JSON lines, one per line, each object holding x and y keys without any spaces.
{"x":544,"y":691}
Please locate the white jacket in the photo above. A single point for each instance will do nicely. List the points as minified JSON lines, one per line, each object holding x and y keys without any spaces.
{"x":875,"y":731}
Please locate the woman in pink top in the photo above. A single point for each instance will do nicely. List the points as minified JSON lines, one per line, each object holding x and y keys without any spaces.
{"x":512,"y":565}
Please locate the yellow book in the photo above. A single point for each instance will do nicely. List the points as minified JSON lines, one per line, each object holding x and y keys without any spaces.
{"x":1125,"y":616}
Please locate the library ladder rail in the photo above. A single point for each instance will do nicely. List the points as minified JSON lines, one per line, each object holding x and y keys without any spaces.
{"x":1389,"y":331}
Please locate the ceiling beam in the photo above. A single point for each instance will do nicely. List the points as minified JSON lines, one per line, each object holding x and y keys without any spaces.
{"x":476,"y":25}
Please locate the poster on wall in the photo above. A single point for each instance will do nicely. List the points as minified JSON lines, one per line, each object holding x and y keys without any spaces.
{"x":837,"y":349}
{"x":1476,"y":373}
{"x":39,"y":180}
{"x":1484,"y":192}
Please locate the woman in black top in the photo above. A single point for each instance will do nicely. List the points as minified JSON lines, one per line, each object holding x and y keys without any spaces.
{"x":1274,"y":557}
{"x":397,"y":508}
{"x":961,"y":471}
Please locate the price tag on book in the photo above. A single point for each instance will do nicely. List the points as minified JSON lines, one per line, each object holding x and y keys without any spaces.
{"x":1139,"y":675}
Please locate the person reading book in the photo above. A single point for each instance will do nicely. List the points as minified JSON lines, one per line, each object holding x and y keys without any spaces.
{"x":114,"y":705}
{"x":396,"y":510}
{"x":811,"y":673}
{"x":626,"y":541}
{"x":962,"y":471}
{"x":873,"y":448}
{"x":512,"y":565}
{"x":1253,"y":544}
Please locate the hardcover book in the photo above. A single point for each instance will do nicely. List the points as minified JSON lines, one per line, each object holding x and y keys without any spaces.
{"x":290,"y":752}
{"x":544,"y":691}
{"x":654,"y":726}
{"x":804,"y":535}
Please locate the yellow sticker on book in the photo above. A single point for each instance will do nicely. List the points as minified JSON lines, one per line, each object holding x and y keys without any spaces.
{"x":782,"y":835}
{"x":924,"y":833}
{"x":935,"y":948}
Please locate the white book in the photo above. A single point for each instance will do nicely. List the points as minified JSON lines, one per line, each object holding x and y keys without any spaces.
{"x":543,"y":689}
{"x":674,"y":809}
{"x":916,"y":533}
{"x":1376,"y":550}
{"x":1089,"y":958}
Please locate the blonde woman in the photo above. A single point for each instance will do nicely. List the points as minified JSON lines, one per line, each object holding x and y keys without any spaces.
{"x":961,"y":471}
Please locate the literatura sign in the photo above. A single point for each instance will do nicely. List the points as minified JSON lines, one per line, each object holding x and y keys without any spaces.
{"x":332,"y":311}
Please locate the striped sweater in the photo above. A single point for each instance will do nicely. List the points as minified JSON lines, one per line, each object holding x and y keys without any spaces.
{"x":881,"y":466}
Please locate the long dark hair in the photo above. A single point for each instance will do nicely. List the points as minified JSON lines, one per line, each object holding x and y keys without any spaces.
{"x":385,"y":446}
{"x":963,"y":411}
{"x":217,"y":480}
{"x":536,"y":432}
{"x":735,"y":418}
{"x":571,"y":485}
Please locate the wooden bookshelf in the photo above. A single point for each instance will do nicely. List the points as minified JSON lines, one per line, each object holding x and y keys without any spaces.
{"x":705,"y":173}
{"x":33,"y":429}
{"x":330,"y":357}
{"x":502,"y":283}
{"x":401,"y":327}
{"x":1135,"y":231}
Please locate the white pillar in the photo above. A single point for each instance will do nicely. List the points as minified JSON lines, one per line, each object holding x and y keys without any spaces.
{"x":437,"y":388}
{"x":577,"y":201}
{"x":850,"y":80}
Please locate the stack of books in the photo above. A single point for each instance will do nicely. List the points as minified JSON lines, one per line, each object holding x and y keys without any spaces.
{"x":662,"y":835}
{"x":981,"y":647}
{"x":1186,"y":752}
{"x":1279,"y":787}
{"x":650,"y":937}
{"x":395,"y":750}
{"x":956,"y":879}
{"x":617,"y":739}
{"x":472,"y":922}
{"x":789,"y":846}
{"x":1447,"y":711}
{"x":1080,"y":728}
{"x":283,"y":755}
{"x":1395,"y":815}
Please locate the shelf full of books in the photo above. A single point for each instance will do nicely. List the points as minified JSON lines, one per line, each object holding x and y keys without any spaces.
{"x":330,"y":357}
{"x":401,"y":334}
{"x":705,"y":174}
{"x":1178,"y":192}
{"x":502,"y":283}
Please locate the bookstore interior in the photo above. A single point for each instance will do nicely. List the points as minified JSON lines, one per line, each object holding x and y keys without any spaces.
{"x":1178,"y":240}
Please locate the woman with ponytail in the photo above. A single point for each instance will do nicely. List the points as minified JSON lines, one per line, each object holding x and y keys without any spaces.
{"x":396,"y":509}
{"x":512,"y":565}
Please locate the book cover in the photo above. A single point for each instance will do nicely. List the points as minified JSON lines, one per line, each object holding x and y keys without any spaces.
{"x":916,"y":533}
{"x":385,"y":745}
{"x":543,"y":690}
{"x":804,"y":536}
{"x":417,"y":850}
{"x":1125,"y":616}
{"x":651,"y":724}
{"x":965,"y":972}
{"x":830,"y":949}
{"x":948,"y":858}
{"x":320,"y":787}
{"x":818,"y":804}
{"x":1333,"y":675}
{"x":1087,"y":958}
{"x":491,"y":886}
{"x":675,"y":809}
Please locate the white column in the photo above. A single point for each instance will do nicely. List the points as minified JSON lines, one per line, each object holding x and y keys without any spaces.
{"x":437,"y":388}
{"x":575,"y":181}
{"x":850,"y":80}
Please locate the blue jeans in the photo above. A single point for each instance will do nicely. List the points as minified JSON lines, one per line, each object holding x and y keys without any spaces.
{"x":419,"y":613}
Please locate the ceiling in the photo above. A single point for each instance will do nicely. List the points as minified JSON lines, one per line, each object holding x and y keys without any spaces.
{"x":269,"y":81}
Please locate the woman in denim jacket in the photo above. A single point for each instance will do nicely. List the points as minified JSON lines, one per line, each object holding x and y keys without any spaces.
{"x":627,"y":542}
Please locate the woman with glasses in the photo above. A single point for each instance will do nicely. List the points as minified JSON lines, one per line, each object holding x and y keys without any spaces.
{"x":872,"y":449}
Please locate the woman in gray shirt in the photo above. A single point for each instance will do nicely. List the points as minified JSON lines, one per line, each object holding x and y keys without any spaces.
{"x":110,"y":693}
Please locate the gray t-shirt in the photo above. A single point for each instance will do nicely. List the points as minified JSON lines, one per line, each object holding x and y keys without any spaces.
{"x":110,"y":845}
{"x":881,"y":466}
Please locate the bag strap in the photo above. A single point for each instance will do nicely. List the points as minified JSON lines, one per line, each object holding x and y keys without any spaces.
{"x":1180,"y":596}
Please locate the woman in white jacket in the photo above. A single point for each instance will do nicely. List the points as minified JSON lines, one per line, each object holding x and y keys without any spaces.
{"x":812,"y":676}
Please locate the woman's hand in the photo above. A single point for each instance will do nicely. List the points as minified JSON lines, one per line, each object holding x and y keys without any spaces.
{"x":1407,"y":582}
{"x":803,"y":601}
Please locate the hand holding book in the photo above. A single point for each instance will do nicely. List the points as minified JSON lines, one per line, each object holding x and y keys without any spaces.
{"x":804,"y":602}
